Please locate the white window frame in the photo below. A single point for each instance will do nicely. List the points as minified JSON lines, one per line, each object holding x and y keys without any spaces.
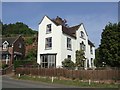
{"x":82,"y":34}
{"x":48,"y":61}
{"x":48,"y":43}
{"x":69,"y":43}
{"x":69,"y":57}
{"x":5,"y":45}
{"x":91,"y":50}
{"x":48,"y":28}
{"x":82,"y":46}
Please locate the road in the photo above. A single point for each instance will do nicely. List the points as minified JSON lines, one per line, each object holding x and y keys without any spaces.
{"x":8,"y":82}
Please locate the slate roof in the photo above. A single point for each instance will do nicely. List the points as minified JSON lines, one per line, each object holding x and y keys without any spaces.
{"x":90,"y":43}
{"x":10,"y":40}
{"x":71,"y":31}
{"x":67,"y":30}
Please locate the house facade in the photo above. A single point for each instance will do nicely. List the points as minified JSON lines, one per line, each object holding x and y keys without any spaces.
{"x":12,"y":48}
{"x":57,"y":41}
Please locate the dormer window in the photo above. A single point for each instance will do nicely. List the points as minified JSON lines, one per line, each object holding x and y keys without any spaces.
{"x":48,"y":28}
{"x":5,"y":45}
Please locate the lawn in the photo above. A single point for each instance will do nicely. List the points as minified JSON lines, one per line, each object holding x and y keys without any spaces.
{"x":76,"y":83}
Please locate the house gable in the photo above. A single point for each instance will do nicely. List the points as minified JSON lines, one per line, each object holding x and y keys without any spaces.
{"x":46,"y":17}
{"x":62,"y":40}
{"x":82,"y":28}
{"x":5,"y":45}
{"x":5,"y":42}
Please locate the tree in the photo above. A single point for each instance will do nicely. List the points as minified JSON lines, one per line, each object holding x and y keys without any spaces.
{"x":29,"y":40}
{"x":97,"y":60}
{"x":110,"y":48}
{"x":80,"y":58}
{"x":68,"y":64}
{"x":32,"y":55}
{"x":17,"y":28}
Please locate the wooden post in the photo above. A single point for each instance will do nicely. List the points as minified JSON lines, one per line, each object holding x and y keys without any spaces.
{"x":52,"y":79}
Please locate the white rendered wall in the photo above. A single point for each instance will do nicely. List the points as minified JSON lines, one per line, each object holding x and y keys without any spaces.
{"x":59,"y":43}
{"x":64,"y":51}
{"x":56,"y":38}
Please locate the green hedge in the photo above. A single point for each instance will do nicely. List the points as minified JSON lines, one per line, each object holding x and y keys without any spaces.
{"x":19,"y":63}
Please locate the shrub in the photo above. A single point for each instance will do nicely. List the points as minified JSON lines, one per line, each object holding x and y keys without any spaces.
{"x":19,"y":63}
{"x":68,"y":64}
{"x":4,"y":66}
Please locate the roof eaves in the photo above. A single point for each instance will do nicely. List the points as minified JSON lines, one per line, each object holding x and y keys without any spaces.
{"x":49,"y":19}
{"x":90,"y":43}
{"x":65,"y":30}
{"x":16,"y":39}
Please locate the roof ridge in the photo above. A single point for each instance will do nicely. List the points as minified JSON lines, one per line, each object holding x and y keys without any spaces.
{"x":10,"y":37}
{"x":75,"y":25}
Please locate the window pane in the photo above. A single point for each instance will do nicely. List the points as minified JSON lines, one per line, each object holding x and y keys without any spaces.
{"x":68,"y":43}
{"x":47,"y":61}
{"x":69,"y":57}
{"x":48,"y":28}
{"x":48,"y":42}
{"x":49,"y":58}
{"x":52,"y":59}
{"x":45,"y":58}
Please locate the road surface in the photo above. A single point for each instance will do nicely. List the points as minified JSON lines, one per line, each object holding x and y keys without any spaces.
{"x":8,"y":82}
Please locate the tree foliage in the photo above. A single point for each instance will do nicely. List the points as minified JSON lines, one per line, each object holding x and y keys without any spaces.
{"x":32,"y":55}
{"x":17,"y":28}
{"x":68,"y":64}
{"x":80,"y":58}
{"x":30,"y":59}
{"x":97,"y":60}
{"x":110,"y":45}
{"x":29,"y":40}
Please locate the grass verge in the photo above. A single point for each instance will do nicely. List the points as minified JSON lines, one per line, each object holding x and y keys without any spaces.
{"x":77,"y":83}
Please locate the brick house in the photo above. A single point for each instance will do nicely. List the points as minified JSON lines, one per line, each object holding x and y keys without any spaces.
{"x":12,"y":48}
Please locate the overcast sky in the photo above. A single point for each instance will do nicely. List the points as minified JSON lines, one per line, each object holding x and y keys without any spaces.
{"x":94,"y":15}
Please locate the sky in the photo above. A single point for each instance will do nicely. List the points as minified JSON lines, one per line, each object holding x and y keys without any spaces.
{"x":94,"y":15}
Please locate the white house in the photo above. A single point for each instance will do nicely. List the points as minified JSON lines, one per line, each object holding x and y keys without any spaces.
{"x":57,"y":42}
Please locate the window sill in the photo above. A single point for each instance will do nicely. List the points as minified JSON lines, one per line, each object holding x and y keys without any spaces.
{"x":48,"y":32}
{"x":48,"y":48}
{"x":69,"y":49}
{"x":83,"y":38}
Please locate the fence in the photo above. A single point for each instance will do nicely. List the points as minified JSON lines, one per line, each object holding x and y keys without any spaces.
{"x":74,"y":74}
{"x":7,"y":70}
